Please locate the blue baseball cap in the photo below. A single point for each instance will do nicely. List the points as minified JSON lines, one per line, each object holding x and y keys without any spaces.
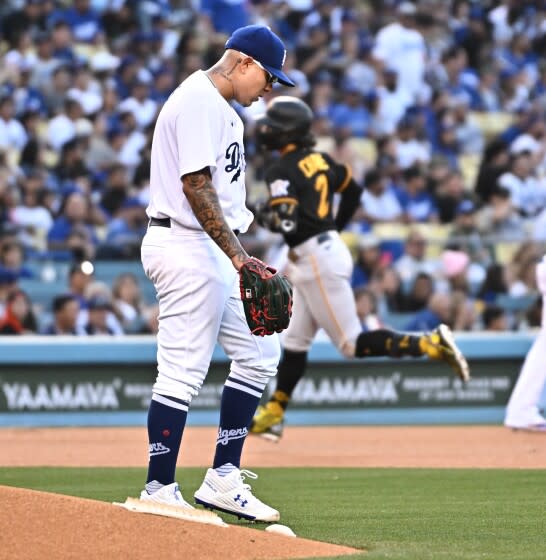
{"x":259,"y":42}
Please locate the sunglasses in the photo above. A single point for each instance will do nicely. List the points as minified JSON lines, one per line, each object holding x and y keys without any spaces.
{"x":270,"y":78}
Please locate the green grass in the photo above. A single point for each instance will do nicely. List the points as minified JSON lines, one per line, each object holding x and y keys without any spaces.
{"x":399,"y":514}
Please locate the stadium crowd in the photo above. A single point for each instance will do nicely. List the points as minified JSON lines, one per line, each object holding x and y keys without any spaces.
{"x":439,"y":107}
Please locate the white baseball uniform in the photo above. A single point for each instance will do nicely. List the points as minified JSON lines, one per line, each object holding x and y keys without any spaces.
{"x":196,"y":283}
{"x":522,"y":410}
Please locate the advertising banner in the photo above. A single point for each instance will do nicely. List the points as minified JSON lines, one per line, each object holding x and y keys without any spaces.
{"x":370,"y":384}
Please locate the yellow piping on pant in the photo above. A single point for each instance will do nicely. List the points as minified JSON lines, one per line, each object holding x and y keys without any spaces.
{"x":343,"y":338}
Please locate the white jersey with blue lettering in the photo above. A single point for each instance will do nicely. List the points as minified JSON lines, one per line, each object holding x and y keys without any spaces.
{"x":196,"y":283}
{"x":198,"y":128}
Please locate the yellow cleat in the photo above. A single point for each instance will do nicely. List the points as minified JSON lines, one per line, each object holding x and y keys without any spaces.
{"x":268,"y":421}
{"x":440,"y":345}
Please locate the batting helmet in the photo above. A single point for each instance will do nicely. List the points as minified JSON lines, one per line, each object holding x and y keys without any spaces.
{"x":287,"y":120}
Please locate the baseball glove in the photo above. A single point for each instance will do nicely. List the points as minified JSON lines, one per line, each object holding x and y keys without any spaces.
{"x":266,"y":296}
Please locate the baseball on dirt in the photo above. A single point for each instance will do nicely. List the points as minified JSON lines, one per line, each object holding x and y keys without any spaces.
{"x":280,"y":530}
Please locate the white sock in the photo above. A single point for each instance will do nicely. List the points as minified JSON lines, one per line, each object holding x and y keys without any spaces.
{"x":153,"y":486}
{"x":226,"y":469}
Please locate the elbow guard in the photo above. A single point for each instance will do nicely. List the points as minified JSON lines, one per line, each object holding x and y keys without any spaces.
{"x":284,"y":214}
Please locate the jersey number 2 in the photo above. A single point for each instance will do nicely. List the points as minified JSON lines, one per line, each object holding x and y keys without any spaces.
{"x":321,"y":186}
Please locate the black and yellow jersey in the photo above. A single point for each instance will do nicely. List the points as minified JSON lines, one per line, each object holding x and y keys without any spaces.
{"x":302,"y":183}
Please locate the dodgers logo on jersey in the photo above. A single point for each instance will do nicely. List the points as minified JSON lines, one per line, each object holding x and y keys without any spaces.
{"x":235,"y":158}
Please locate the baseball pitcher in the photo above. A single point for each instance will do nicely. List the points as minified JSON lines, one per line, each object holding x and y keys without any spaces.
{"x":209,"y":290}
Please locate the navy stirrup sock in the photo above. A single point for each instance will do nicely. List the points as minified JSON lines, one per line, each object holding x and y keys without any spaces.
{"x":166,"y":421}
{"x":239,"y":402}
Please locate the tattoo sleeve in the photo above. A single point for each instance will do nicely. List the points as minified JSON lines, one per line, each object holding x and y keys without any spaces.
{"x":203,"y":199}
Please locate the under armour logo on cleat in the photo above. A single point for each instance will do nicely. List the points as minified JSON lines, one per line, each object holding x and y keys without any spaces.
{"x":239,"y":499}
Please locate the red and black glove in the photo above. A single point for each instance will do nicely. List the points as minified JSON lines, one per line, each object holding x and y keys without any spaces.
{"x":266,"y":296}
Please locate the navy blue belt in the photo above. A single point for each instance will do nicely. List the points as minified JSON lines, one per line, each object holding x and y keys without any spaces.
{"x":166,"y":222}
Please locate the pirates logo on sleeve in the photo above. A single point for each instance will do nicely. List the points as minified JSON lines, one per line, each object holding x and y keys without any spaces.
{"x":279,"y":187}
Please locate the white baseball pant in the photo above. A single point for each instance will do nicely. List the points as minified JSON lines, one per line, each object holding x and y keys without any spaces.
{"x":320,"y":270}
{"x":522,"y":410}
{"x":200,"y":305}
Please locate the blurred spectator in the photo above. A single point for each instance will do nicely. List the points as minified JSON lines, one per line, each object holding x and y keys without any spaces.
{"x":32,"y":218}
{"x":420,"y":292}
{"x":128,"y":303}
{"x":463,"y":312}
{"x":351,"y":113}
{"x":86,"y":91}
{"x":533,"y":315}
{"x":125,"y":231}
{"x":43,"y":68}
{"x":12,"y":133}
{"x":388,"y":289}
{"x":494,"y":163}
{"x":524,"y":281}
{"x":71,"y":164}
{"x":97,"y":314}
{"x":368,"y":260}
{"x":438,"y":310}
{"x":500,"y":218}
{"x":55,"y":91}
{"x":394,"y":100}
{"x":12,"y":257}
{"x":84,"y":22}
{"x":366,"y":309}
{"x":71,"y":231}
{"x":344,"y":152}
{"x":102,"y":292}
{"x":418,"y":205}
{"x":139,"y":103}
{"x":494,"y":283}
{"x":410,"y":149}
{"x":151,"y":320}
{"x":447,"y":145}
{"x":465,"y":234}
{"x":225,"y":16}
{"x":401,"y":45}
{"x":18,"y":317}
{"x":116,"y":190}
{"x":468,"y":134}
{"x":494,"y":318}
{"x":61,"y":35}
{"x":8,"y":284}
{"x":80,"y":276}
{"x":130,"y":154}
{"x":62,"y":128}
{"x":450,"y":192}
{"x":28,"y":18}
{"x":527,"y":195}
{"x":414,"y":260}
{"x":313,"y":50}
{"x":379,"y":201}
{"x":65,"y":313}
{"x":454,"y":270}
{"x":360,"y":64}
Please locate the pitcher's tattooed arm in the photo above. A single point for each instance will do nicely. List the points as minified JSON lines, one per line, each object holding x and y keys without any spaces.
{"x":203,"y":199}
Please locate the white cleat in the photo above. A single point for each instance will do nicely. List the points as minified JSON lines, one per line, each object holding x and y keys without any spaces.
{"x":168,"y":502}
{"x":168,"y":495}
{"x":452,"y":354}
{"x":231,"y":495}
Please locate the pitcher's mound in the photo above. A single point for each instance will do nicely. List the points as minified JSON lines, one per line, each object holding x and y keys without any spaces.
{"x":44,"y":525}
